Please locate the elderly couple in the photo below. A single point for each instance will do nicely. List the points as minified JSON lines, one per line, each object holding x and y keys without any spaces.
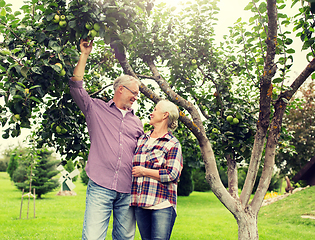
{"x":132,"y":174}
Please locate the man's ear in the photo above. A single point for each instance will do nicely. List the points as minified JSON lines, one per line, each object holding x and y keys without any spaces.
{"x":120,"y":88}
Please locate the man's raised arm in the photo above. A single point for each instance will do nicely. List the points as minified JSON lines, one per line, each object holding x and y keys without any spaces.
{"x":79,"y":70}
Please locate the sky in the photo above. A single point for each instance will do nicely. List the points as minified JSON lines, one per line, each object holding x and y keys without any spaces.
{"x":230,"y":11}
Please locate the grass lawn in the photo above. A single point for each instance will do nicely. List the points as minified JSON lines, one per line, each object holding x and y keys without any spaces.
{"x":200,"y":216}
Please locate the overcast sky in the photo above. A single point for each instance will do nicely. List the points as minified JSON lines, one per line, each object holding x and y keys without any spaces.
{"x":230,"y":11}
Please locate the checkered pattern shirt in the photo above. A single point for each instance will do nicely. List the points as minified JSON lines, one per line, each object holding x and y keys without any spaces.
{"x":165,"y":155}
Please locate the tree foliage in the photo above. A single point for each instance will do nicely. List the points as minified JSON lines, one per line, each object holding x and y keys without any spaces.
{"x":301,"y":122}
{"x":35,"y":166}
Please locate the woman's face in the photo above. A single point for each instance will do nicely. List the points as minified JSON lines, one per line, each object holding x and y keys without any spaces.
{"x":157,"y":115}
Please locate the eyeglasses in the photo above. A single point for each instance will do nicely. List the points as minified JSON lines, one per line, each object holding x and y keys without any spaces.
{"x":134,"y":93}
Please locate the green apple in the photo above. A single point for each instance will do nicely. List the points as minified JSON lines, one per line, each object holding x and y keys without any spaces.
{"x":96,"y":27}
{"x":17,"y":117}
{"x":62,"y":17}
{"x":62,"y":73}
{"x":93,"y":33}
{"x":63,"y":130}
{"x":56,"y":18}
{"x":59,"y":65}
{"x":58,"y":129}
{"x":88,"y":26}
{"x":215,"y":130}
{"x":235,"y":121}
{"x":62,"y":23}
{"x":229,"y":118}
{"x":194,"y":61}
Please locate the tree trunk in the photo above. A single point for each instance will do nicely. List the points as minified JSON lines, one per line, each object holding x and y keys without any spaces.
{"x":232,"y":176}
{"x":247,"y":225}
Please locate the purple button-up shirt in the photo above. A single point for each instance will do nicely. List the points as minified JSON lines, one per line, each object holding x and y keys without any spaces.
{"x":113,"y":140}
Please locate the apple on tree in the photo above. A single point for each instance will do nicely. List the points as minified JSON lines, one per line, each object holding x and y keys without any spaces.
{"x":215,"y":130}
{"x":62,"y":23}
{"x":235,"y":121}
{"x":229,"y":118}
{"x":56,"y":18}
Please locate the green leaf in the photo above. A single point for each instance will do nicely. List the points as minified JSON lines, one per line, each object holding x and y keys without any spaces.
{"x":17,"y":96}
{"x":37,"y":70}
{"x":54,"y":45}
{"x":24,"y":72}
{"x":72,"y":24}
{"x":35,"y":99}
{"x":3,"y":13}
{"x":36,"y":86}
{"x":112,"y":20}
{"x":249,"y":6}
{"x":291,"y":50}
{"x":41,"y":37}
{"x":277,"y":80}
{"x":52,"y":27}
{"x":21,"y":84}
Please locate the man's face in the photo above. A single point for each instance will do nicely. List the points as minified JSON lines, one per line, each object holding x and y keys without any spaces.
{"x":130,"y":94}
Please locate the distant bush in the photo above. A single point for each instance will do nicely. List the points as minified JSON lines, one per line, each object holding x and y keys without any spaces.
{"x":84,"y":177}
{"x":199,"y":179}
{"x":3,"y":165}
{"x":274,"y":182}
{"x":185,"y":184}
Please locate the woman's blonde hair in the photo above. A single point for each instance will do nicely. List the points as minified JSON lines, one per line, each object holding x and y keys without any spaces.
{"x":172,"y":109}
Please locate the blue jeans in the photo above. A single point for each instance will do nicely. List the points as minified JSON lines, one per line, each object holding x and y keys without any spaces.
{"x":155,"y":224}
{"x":100,"y":202}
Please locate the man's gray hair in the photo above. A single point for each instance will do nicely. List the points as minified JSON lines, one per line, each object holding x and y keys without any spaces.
{"x":125,"y":80}
{"x":173,"y":114}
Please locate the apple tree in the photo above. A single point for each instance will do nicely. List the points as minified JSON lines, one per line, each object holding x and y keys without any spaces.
{"x":232,"y":96}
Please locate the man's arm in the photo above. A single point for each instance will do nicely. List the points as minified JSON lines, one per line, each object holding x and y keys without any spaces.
{"x":79,"y":70}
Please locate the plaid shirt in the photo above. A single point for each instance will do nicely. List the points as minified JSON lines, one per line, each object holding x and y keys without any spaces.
{"x":164,"y":155}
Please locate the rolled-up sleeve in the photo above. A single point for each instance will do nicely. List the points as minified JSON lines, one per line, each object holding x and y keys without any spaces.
{"x":174,"y":165}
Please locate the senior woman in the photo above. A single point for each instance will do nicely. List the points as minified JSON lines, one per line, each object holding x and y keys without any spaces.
{"x":157,"y":165}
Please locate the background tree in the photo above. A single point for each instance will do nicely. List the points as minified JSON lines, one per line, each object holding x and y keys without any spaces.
{"x":14,"y":156}
{"x":301,"y":122}
{"x":43,"y":170}
{"x":4,"y":161}
{"x":231,"y":97}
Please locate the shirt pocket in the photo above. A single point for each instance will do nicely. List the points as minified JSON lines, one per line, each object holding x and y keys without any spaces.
{"x":156,"y":159}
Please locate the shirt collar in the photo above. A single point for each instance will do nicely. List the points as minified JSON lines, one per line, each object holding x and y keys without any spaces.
{"x":166,"y":136}
{"x":112,"y":103}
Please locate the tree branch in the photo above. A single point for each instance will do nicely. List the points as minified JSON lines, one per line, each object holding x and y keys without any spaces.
{"x":198,"y":128}
{"x":265,"y":102}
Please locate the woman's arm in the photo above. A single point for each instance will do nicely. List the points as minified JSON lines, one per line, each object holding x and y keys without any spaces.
{"x":139,"y":171}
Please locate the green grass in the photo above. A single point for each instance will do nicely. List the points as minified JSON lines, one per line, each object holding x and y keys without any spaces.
{"x":200,"y":216}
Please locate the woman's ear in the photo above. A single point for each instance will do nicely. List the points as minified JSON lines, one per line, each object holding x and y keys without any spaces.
{"x":165,"y":115}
